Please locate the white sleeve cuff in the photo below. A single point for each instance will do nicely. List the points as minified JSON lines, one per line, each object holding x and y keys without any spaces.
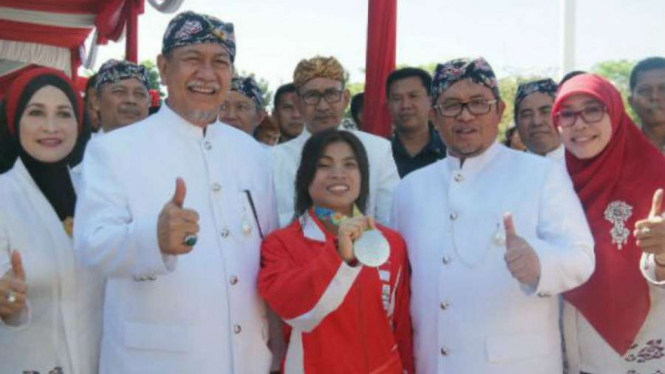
{"x":648,"y":267}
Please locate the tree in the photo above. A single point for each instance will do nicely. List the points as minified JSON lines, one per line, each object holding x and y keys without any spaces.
{"x":263,"y":85}
{"x":618,"y":72}
{"x":153,"y":77}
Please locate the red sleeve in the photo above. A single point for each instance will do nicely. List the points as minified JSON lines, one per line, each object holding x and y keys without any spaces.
{"x":292,"y":282}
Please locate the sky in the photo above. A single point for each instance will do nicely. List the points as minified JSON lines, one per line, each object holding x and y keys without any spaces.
{"x":515,"y":36}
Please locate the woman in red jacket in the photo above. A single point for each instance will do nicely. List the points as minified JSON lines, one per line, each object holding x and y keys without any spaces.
{"x":341,"y":316}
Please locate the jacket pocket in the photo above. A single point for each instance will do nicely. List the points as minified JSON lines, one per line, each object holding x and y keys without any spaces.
{"x":168,"y":338}
{"x":515,"y":347}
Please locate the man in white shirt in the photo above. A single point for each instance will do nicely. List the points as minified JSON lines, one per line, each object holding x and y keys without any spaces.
{"x":533,"y":118}
{"x":493,"y":236}
{"x":322,"y":99}
{"x":181,"y":265}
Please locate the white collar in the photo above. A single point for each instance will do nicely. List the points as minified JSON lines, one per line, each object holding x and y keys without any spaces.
{"x":310,"y":229}
{"x":168,"y":117}
{"x":475,"y":163}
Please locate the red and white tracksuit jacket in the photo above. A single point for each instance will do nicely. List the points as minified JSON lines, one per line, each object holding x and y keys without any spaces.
{"x":339,"y":319}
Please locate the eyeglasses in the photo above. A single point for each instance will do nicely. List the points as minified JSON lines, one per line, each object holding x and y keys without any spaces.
{"x":314,"y":97}
{"x":475,"y":107}
{"x":590,"y":114}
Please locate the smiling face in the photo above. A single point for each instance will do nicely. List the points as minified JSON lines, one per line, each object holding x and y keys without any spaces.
{"x":534,"y":123}
{"x":585,"y":140}
{"x":198,"y":78}
{"x":122,"y":103}
{"x":241,"y":112}
{"x":336,"y":184}
{"x":48,"y":126}
{"x":468,"y":135}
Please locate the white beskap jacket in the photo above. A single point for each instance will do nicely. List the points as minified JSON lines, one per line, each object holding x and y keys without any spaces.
{"x":195,"y":313}
{"x":469,"y":314}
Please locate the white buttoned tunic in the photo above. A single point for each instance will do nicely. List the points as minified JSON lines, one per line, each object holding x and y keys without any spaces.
{"x":195,"y":313}
{"x":469,"y":314}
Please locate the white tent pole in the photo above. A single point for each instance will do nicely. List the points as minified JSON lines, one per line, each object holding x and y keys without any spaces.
{"x":567,"y":36}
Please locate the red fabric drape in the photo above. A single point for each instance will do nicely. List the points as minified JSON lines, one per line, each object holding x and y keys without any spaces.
{"x":59,"y":6}
{"x":112,"y":19}
{"x":380,"y":61}
{"x":67,"y":37}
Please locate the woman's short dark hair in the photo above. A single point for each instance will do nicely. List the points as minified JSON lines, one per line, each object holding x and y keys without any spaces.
{"x":312,"y":153}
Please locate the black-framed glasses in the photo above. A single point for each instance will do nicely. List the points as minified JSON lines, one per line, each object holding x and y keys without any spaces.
{"x":331,"y":96}
{"x":590,"y":114}
{"x":475,"y":107}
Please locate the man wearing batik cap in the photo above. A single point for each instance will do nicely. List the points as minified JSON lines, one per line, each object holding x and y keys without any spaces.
{"x":533,"y":118}
{"x":243,"y":107}
{"x":322,"y":99}
{"x":493,"y":235}
{"x":121,"y":94}
{"x":172,"y":219}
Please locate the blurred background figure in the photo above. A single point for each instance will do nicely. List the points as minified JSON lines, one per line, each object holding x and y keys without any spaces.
{"x":243,"y":106}
{"x":513,"y":139}
{"x":357,"y":109}
{"x":267,"y":132}
{"x":647,"y":97}
{"x":286,"y":113}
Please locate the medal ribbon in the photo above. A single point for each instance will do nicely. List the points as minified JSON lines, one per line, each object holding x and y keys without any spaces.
{"x":332,"y":218}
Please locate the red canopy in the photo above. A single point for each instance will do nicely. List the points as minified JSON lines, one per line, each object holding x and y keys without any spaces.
{"x":52,"y":33}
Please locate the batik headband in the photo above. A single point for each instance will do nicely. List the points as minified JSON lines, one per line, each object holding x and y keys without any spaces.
{"x":318,"y":67}
{"x":189,"y":28}
{"x":248,"y":87}
{"x":546,"y":86}
{"x":114,"y":71}
{"x":451,"y":72}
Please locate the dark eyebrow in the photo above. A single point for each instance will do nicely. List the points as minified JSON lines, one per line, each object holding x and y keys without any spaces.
{"x":40,"y":105}
{"x":548,"y":106}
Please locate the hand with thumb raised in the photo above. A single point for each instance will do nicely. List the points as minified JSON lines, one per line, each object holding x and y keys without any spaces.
{"x":521,"y":259}
{"x":650,"y":232}
{"x":175,"y":223}
{"x":13,"y":289}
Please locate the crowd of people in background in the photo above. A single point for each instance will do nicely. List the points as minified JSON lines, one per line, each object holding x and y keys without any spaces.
{"x":211,"y":235}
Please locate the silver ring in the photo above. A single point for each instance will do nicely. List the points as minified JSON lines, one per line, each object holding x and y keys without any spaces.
{"x":11,"y":297}
{"x":190,"y":240}
{"x":645,"y":230}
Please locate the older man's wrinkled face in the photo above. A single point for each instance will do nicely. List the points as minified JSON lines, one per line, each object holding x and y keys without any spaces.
{"x":467,"y":134}
{"x":534,"y":123}
{"x":241,"y":112}
{"x":122,"y":103}
{"x":198,"y":78}
{"x":322,"y":102}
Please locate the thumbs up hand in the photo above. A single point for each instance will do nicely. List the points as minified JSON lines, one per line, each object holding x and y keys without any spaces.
{"x":521,"y":259}
{"x":13,"y":289}
{"x":650,"y":232}
{"x":175,"y":223}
